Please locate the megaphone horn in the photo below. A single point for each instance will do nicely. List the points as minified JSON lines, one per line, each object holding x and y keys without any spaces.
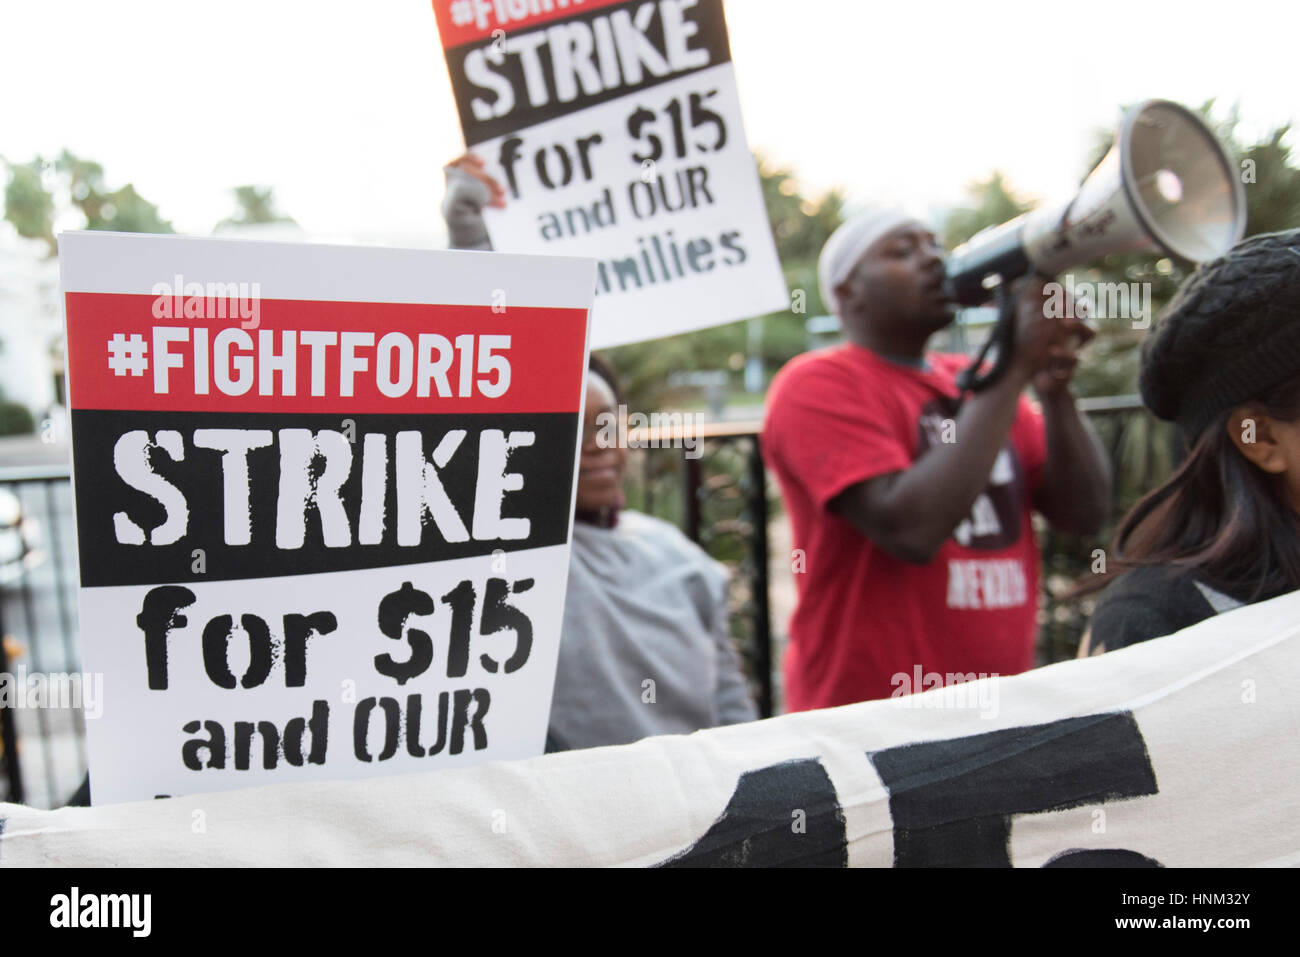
{"x":1165,"y":185}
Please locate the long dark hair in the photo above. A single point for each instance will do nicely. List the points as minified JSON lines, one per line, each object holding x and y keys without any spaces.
{"x":1219,"y":517}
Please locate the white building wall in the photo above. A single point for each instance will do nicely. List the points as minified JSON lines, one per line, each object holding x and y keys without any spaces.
{"x":31,"y":321}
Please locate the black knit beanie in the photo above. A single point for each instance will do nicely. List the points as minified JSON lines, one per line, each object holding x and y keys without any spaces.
{"x":1231,"y":333}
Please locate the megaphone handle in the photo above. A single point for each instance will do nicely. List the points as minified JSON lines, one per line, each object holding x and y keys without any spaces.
{"x":1003,"y":336}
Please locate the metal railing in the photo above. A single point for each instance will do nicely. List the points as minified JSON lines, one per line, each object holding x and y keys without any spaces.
{"x":42,"y":748}
{"x":726,"y":508}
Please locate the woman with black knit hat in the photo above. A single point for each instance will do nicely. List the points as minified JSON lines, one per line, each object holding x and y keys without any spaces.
{"x":1224,"y":530}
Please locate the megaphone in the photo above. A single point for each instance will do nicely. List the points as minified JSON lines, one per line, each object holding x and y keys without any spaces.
{"x":1166,"y":185}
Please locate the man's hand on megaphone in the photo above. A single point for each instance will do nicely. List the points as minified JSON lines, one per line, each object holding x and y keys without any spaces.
{"x":1047,"y":346}
{"x":1065,"y":359}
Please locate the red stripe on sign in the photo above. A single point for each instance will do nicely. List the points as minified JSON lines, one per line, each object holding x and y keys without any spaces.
{"x":463,"y":21}
{"x":130,"y":352}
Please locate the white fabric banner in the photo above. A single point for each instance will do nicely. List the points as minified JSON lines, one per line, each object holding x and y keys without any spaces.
{"x":1179,"y":752}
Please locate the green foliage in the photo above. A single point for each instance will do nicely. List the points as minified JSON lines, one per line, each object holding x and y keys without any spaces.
{"x":121,"y":210}
{"x":1273,"y":199}
{"x":643,"y":368}
{"x":256,"y":205}
{"x":994,"y":205}
{"x":800,"y":225}
{"x":30,"y":203}
{"x":15,"y":419}
{"x":27,"y":203}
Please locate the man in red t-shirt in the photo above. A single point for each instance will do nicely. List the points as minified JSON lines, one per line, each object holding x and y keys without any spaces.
{"x":915,"y":557}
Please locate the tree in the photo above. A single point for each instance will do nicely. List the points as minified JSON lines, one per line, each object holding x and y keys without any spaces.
{"x":256,"y":205}
{"x":121,"y":210}
{"x":994,"y":205}
{"x":1272,"y":184}
{"x":38,"y":189}
{"x":28,"y":205}
{"x":800,"y":225}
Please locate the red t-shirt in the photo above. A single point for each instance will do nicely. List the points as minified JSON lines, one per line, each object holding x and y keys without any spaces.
{"x":869,"y":625}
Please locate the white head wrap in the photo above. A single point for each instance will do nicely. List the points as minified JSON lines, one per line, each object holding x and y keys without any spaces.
{"x":846,"y":246}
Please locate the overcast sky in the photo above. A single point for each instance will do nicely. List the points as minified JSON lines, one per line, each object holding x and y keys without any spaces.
{"x":344,"y":107}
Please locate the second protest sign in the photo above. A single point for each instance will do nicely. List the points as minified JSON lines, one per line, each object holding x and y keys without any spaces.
{"x":615,"y":129}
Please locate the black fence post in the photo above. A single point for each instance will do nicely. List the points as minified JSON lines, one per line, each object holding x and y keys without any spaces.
{"x":693,"y":481}
{"x":762,"y":612}
{"x":8,"y":732}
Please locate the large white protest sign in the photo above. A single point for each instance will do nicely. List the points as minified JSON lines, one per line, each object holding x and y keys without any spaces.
{"x":615,"y":129}
{"x":1175,"y":752}
{"x":324,"y":498}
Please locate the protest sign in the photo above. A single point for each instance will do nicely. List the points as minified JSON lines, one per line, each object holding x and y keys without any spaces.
{"x":1178,"y":752}
{"x":324,"y":498}
{"x":615,"y":129}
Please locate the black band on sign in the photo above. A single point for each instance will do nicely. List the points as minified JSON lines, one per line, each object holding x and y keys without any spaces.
{"x":619,"y":54}
{"x":333,"y":514}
